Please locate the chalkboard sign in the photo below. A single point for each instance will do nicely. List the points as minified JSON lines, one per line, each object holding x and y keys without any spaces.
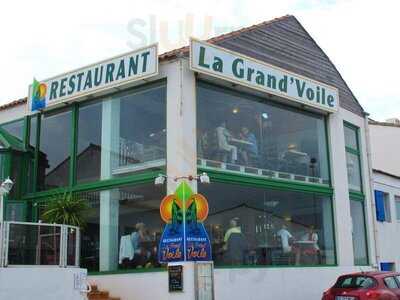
{"x":175,"y":278}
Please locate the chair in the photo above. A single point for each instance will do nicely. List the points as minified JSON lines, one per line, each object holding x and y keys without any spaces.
{"x":237,"y":248}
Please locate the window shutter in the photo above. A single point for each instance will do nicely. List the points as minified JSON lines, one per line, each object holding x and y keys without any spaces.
{"x":380,"y":206}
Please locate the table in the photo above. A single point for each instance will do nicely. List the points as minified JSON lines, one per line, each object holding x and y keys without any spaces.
{"x":239,"y":141}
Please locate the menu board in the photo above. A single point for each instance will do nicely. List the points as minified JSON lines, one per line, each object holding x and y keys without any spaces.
{"x":175,"y":278}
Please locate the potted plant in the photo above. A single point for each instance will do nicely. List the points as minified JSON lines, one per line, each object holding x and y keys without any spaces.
{"x":66,"y":209}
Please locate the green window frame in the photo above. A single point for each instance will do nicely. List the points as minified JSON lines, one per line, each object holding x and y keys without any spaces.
{"x":35,"y":196}
{"x":250,"y":180}
{"x":356,"y":151}
{"x":358,"y":199}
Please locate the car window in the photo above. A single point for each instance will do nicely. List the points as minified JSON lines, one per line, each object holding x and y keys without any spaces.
{"x":390,"y":282}
{"x":355,"y":282}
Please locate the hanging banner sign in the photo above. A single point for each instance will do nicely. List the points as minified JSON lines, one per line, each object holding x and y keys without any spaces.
{"x":222,"y":63}
{"x":117,"y":71}
{"x":184,"y":237}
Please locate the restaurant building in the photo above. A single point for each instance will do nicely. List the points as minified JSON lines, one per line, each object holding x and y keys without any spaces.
{"x":262,"y":110}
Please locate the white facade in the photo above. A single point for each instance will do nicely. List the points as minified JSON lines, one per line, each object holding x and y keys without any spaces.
{"x":253,"y":283}
{"x":40,"y":282}
{"x":306,"y":283}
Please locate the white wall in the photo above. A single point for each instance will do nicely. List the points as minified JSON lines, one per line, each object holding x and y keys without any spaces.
{"x":385,"y":143}
{"x":341,"y":200}
{"x":243,"y":283}
{"x":42,"y":283}
{"x":388,"y":232}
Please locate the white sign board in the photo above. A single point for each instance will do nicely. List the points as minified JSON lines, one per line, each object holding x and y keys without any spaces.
{"x":222,"y":63}
{"x":117,"y":71}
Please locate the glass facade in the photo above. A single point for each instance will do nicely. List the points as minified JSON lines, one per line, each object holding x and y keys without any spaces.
{"x":54,"y":150}
{"x":359,"y":232}
{"x":88,"y":160}
{"x":15,"y":128}
{"x":243,"y":133}
{"x":123,"y":228}
{"x":353,"y":158}
{"x":258,"y":226}
{"x":106,"y":147}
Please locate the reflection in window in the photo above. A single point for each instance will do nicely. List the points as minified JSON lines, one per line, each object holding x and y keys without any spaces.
{"x":15,"y":128}
{"x":350,"y":137}
{"x":244,"y":131}
{"x":88,"y":161}
{"x":255,"y":226}
{"x":352,"y":158}
{"x":133,"y":131}
{"x":123,"y":228}
{"x":358,"y":231}
{"x":54,"y":151}
{"x":353,"y":171}
{"x":33,"y":131}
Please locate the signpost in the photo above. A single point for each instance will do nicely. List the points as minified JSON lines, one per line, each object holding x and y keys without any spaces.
{"x":184,"y":237}
{"x":175,"y":278}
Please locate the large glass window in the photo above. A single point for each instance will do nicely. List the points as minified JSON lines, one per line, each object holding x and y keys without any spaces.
{"x":124,"y":134}
{"x":359,"y":232}
{"x":123,"y":228}
{"x":88,"y":160}
{"x":257,"y":226}
{"x":353,"y":157}
{"x":54,"y":150}
{"x":242,"y":133}
{"x":15,"y":128}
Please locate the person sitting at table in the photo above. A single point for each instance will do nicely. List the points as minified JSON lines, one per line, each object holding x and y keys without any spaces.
{"x":223,"y":137}
{"x":139,"y":237}
{"x":235,"y":244}
{"x":313,"y":249}
{"x":250,"y":151}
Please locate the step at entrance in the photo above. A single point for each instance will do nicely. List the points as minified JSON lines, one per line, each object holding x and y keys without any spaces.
{"x":95,"y":294}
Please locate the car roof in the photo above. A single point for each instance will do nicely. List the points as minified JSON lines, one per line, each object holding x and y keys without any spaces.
{"x":373,"y":274}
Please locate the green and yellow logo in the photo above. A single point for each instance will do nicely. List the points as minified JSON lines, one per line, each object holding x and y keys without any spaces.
{"x":39,"y":92}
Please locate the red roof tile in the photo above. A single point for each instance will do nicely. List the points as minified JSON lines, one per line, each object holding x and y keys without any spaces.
{"x":14,"y":103}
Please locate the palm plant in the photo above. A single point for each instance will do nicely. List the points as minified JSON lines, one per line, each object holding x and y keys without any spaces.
{"x":66,"y":209}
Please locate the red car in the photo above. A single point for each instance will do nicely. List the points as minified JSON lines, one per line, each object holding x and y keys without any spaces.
{"x":365,"y":285}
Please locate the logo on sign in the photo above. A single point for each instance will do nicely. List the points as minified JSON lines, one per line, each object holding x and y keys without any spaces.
{"x":184,"y":236}
{"x":39,"y":92}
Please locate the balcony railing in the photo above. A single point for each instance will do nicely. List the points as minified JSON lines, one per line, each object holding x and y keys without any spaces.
{"x":39,"y":244}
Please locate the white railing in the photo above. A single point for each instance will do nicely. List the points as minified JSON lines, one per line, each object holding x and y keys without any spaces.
{"x":39,"y":244}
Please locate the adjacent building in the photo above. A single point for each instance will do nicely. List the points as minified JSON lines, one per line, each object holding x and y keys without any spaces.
{"x":385,"y":145}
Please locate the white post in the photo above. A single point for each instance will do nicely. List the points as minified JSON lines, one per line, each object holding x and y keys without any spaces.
{"x":109,"y":200}
{"x":341,"y":201}
{"x":181,"y":145}
{"x":1,"y":207}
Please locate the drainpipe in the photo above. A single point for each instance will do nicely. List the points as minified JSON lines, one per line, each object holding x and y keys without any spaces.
{"x":371,"y":185}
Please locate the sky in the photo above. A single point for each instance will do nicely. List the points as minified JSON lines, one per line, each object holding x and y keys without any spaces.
{"x":42,"y":39}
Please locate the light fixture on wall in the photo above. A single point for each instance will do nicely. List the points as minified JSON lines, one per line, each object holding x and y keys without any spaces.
{"x":264,"y":115}
{"x":235,"y":110}
{"x":160,"y":179}
{"x":5,"y":188}
{"x":203,"y":178}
